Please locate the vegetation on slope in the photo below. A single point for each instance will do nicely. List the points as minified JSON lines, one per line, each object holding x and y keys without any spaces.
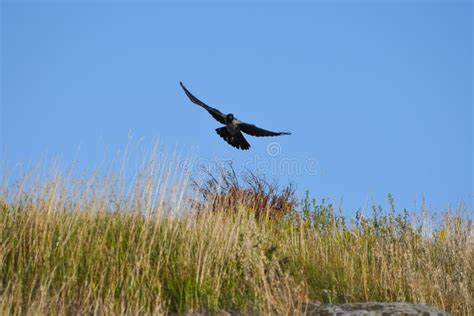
{"x":240,"y":244}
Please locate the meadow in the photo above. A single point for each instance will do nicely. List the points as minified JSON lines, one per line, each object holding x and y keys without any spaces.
{"x":161,"y":242}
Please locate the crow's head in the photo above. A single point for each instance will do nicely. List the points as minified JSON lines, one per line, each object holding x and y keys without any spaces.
{"x":229,"y":118}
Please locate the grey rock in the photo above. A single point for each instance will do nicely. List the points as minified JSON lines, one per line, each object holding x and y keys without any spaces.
{"x":372,"y":309}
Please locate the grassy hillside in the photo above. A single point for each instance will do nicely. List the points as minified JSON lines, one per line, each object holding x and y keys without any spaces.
{"x":163,"y":244}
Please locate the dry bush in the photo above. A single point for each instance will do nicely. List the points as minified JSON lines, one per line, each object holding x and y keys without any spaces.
{"x":222,"y":190}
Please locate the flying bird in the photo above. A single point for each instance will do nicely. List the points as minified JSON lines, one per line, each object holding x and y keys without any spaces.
{"x":232,"y":131}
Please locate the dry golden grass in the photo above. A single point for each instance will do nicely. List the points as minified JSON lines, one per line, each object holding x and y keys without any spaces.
{"x":96,"y":245}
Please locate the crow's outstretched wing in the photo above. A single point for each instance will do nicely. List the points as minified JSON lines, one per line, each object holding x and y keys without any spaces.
{"x":218,"y":115}
{"x":257,"y":131}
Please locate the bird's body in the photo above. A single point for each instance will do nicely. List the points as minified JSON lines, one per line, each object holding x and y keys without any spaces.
{"x":232,"y":125}
{"x":232,"y":131}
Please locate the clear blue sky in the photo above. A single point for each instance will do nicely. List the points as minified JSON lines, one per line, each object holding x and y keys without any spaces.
{"x":379,"y":95}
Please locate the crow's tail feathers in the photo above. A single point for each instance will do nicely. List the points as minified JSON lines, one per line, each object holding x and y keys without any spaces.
{"x":238,"y":140}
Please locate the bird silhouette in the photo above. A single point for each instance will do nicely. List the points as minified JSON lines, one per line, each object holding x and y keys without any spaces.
{"x":232,"y":131}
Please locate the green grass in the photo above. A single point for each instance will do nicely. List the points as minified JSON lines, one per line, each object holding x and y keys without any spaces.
{"x":95,"y":246}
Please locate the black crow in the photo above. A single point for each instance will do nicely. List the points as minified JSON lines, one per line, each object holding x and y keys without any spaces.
{"x":231,"y":132}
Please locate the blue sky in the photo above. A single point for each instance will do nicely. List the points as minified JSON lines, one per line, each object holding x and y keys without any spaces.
{"x":378,"y":96}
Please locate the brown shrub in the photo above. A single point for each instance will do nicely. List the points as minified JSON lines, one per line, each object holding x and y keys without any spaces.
{"x":221,"y":190}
